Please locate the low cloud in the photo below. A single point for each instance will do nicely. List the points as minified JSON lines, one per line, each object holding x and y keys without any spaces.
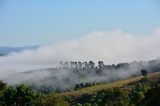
{"x":110,"y":46}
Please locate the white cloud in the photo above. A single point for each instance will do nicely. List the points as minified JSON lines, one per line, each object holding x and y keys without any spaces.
{"x":111,"y":47}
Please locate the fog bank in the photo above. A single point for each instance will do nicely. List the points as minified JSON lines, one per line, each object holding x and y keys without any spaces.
{"x":110,"y":46}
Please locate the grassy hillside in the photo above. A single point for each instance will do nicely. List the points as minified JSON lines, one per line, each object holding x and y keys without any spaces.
{"x":120,"y":83}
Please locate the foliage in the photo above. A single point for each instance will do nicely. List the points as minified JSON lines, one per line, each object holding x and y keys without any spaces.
{"x":18,"y":96}
{"x":142,"y":87}
{"x":50,"y":100}
{"x":144,"y":72}
{"x":104,"y":97}
{"x":2,"y":85}
{"x":84,"y":85}
{"x":152,"y":97}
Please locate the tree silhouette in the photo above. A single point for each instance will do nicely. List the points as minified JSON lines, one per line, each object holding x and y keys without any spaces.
{"x":144,"y":72}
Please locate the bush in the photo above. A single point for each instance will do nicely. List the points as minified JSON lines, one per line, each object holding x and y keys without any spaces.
{"x":18,"y":96}
{"x":50,"y":100}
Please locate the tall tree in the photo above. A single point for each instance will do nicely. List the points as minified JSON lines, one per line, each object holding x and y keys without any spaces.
{"x":144,"y":72}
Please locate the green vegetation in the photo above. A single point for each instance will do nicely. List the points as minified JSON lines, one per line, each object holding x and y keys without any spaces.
{"x":138,"y":91}
{"x":144,"y":72}
{"x":97,"y":87}
{"x":50,"y":100}
{"x":22,"y":95}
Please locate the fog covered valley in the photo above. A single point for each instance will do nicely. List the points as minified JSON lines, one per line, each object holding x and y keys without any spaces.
{"x":66,"y":75}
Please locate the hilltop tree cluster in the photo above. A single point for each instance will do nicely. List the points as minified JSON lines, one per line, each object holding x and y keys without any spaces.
{"x":152,"y":65}
{"x":91,"y":66}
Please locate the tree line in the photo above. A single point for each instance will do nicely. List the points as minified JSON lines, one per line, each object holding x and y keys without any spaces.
{"x":89,"y":65}
{"x":152,"y":65}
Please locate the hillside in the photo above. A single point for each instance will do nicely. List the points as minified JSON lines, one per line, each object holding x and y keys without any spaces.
{"x":153,"y":77}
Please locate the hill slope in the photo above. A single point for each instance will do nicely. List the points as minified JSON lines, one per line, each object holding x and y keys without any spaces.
{"x":121,"y":83}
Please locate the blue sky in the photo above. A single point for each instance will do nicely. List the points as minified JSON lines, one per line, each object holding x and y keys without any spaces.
{"x":43,"y":22}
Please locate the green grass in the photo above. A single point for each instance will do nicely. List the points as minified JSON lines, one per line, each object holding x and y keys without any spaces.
{"x":119,"y":83}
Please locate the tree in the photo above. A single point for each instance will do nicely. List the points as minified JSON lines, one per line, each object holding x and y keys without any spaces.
{"x":91,"y":64}
{"x":18,"y":96}
{"x":50,"y":100}
{"x":152,"y":97}
{"x":81,"y":85}
{"x":85,"y":65}
{"x":87,"y":104}
{"x":78,"y":104}
{"x":77,"y":86}
{"x":80,"y":65}
{"x":2,"y":85}
{"x":137,"y":98}
{"x":100,"y":65}
{"x":144,"y":72}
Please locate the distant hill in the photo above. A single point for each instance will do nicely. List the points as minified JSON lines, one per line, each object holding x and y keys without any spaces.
{"x":4,"y":50}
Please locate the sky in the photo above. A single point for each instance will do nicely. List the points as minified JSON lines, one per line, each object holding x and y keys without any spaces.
{"x":45,"y":22}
